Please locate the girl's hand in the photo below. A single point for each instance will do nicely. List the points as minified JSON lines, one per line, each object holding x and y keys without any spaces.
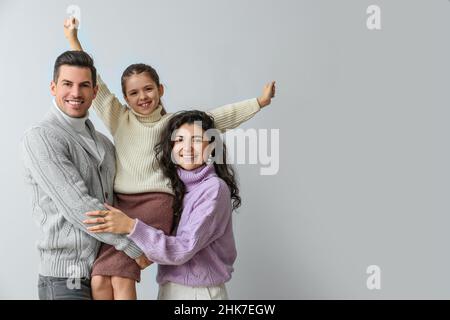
{"x":71,"y":33}
{"x":267,"y":95}
{"x":112,"y":220}
{"x":71,"y":28}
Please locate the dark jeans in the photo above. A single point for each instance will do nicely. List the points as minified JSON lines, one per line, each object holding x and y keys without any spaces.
{"x":51,"y":288}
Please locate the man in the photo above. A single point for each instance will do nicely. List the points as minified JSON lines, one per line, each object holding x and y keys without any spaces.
{"x":71,"y":168}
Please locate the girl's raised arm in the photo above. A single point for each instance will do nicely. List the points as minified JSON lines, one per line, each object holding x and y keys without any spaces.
{"x":232,"y":115}
{"x":106,"y":104}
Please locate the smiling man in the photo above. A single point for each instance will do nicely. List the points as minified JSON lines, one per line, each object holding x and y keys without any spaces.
{"x":70,"y":168}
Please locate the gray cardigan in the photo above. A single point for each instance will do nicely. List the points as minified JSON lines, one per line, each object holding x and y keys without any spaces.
{"x":67,"y":180}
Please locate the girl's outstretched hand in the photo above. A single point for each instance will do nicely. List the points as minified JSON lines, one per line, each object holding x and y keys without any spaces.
{"x":267,"y":94}
{"x":112,"y":220}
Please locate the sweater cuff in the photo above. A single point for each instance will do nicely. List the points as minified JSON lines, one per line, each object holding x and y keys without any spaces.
{"x":133,"y":250}
{"x":140,"y":232}
{"x":255,"y":107}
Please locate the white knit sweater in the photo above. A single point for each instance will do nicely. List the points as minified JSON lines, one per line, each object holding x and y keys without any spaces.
{"x":135,"y":137}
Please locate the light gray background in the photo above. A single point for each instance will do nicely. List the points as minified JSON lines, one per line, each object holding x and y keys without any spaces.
{"x":364,"y":131}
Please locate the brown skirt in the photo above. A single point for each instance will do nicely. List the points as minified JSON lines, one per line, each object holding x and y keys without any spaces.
{"x":152,"y":208}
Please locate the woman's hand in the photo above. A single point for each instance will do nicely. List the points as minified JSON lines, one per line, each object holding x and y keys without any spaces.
{"x":267,"y":95}
{"x":71,"y":33}
{"x":112,"y":220}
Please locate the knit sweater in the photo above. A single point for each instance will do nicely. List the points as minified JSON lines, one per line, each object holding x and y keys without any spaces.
{"x":203,"y":250}
{"x":80,"y":127}
{"x":135,"y":137}
{"x":67,"y":180}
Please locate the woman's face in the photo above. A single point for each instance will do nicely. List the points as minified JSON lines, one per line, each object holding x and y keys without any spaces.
{"x":190,"y":149}
{"x":142,"y":93}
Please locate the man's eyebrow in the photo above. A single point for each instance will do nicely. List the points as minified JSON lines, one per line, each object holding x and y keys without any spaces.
{"x":84,"y":82}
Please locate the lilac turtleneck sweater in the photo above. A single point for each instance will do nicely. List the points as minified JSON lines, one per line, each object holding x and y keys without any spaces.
{"x":203,"y":250}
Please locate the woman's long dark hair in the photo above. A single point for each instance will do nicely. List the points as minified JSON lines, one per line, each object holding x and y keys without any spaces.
{"x":163,"y":158}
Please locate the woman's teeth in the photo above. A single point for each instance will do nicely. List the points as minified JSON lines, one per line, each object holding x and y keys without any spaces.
{"x":188,"y":158}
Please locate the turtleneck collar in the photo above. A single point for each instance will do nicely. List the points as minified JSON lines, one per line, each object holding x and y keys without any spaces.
{"x":191,"y":178}
{"x":152,"y":117}
{"x":78,"y":124}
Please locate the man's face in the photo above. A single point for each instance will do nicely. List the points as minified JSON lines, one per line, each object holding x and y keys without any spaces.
{"x":74,"y":90}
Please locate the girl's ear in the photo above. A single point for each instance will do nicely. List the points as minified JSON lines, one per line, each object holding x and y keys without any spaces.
{"x":161,"y":90}
{"x":126,"y":100}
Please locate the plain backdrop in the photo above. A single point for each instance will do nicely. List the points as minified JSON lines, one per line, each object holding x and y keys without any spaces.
{"x":364,"y":175}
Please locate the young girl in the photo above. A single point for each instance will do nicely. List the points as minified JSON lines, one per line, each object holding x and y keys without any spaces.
{"x":141,"y":189}
{"x":195,"y":263}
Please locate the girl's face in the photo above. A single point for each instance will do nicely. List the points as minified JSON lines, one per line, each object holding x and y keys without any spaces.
{"x":190,"y":147}
{"x":142,"y":93}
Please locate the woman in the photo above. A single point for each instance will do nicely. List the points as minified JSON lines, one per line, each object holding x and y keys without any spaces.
{"x":197,"y":261}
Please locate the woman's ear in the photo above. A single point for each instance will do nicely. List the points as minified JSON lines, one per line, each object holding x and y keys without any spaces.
{"x":161,"y":90}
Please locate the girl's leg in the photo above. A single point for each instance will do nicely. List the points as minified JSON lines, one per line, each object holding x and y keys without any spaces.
{"x":102,"y":288}
{"x":124,"y":288}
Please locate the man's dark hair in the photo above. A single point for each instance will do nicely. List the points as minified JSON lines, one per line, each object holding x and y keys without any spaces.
{"x":77,"y":59}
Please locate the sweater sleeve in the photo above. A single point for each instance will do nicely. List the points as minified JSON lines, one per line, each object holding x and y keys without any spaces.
{"x":108,"y":107}
{"x":232,"y":115}
{"x":47,"y":159}
{"x":207,"y":222}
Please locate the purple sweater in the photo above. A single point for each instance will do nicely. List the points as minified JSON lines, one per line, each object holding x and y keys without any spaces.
{"x":203,"y":250}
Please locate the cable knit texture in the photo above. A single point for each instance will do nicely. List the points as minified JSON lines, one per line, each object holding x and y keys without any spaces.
{"x":67,"y":179}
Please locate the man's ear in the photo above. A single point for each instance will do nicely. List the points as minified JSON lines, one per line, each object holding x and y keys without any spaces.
{"x":95,"y":91}
{"x":161,"y":90}
{"x":53,"y":88}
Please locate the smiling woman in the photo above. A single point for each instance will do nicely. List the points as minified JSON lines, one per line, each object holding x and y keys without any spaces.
{"x":197,"y":259}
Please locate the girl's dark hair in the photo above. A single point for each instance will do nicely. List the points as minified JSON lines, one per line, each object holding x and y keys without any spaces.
{"x":139,"y":68}
{"x":163,"y":157}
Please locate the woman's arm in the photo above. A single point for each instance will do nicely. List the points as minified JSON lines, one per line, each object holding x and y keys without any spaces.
{"x":232,"y":115}
{"x":106,"y":104}
{"x":206,"y":224}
